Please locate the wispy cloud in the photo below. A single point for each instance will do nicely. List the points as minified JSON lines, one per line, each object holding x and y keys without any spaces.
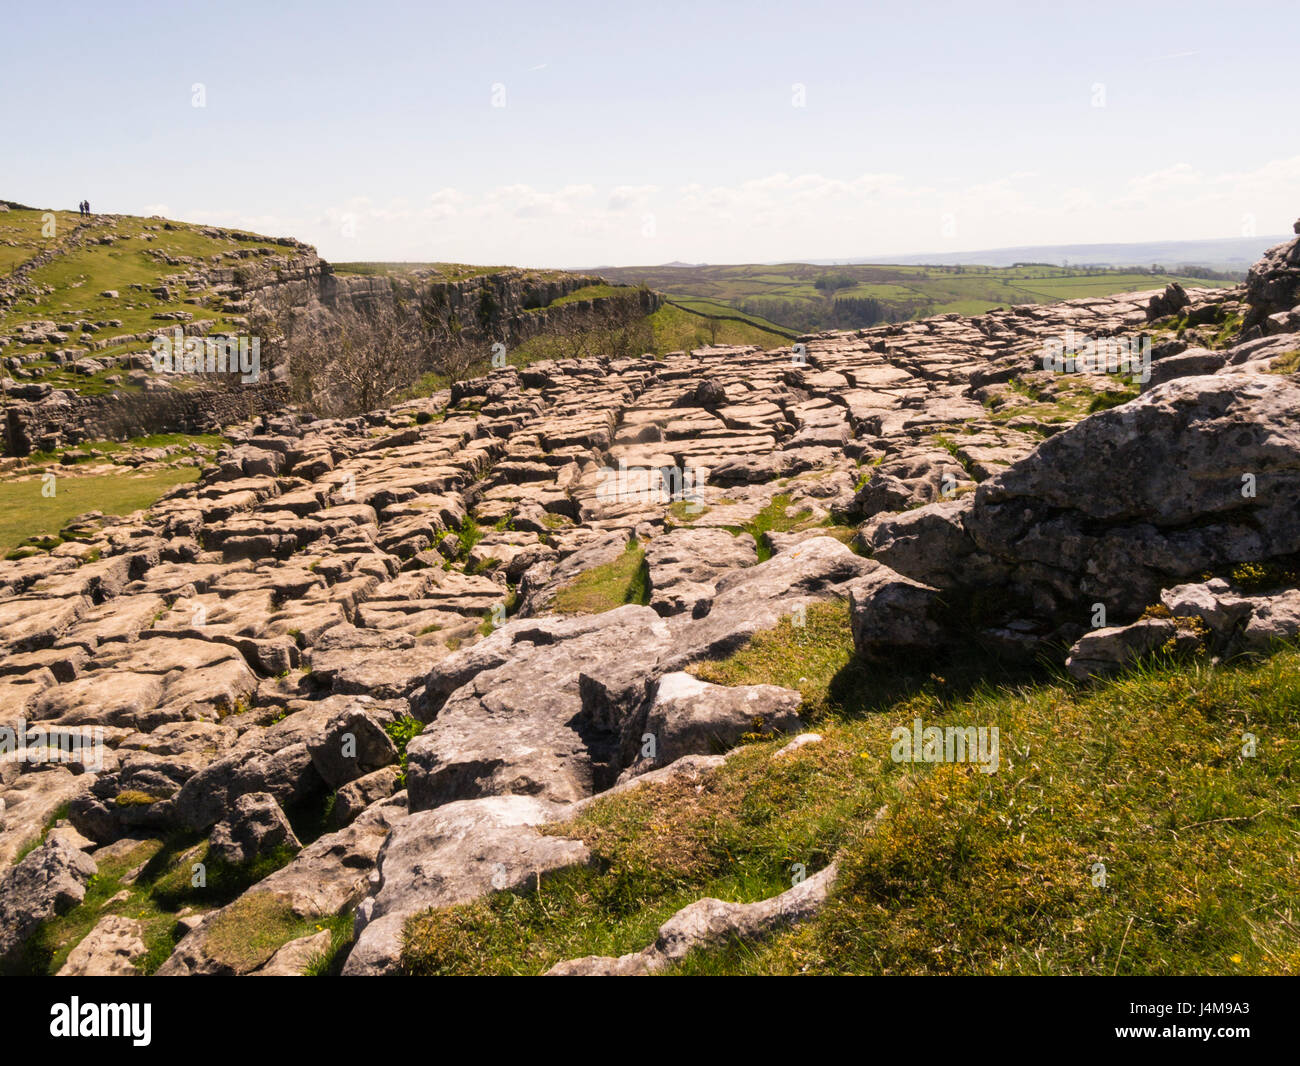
{"x":788,"y":215}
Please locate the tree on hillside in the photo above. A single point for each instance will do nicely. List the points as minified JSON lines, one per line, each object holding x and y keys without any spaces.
{"x":832,"y":283}
{"x":354,"y":364}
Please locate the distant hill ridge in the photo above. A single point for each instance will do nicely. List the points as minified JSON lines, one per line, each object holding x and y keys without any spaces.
{"x":1227,"y":253}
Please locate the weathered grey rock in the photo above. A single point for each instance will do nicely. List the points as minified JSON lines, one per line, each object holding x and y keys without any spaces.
{"x":692,"y":717}
{"x":356,"y":796}
{"x":686,"y":564}
{"x":155,"y":628}
{"x":353,"y":745}
{"x":451,"y":855}
{"x":801,"y":741}
{"x":255,"y":827}
{"x":759,"y":597}
{"x":692,"y":769}
{"x":547,"y":708}
{"x":1210,"y":467}
{"x":1107,"y":651}
{"x":1213,"y":602}
{"x":31,"y":800}
{"x":50,"y":880}
{"x":1190,"y":363}
{"x":287,"y":774}
{"x":1273,"y":284}
{"x":1170,"y":302}
{"x":379,"y":663}
{"x":929,"y":544}
{"x":108,"y":950}
{"x":891,"y":613}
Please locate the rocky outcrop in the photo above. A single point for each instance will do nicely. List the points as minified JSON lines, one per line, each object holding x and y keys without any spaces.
{"x":456,"y":853}
{"x":1273,"y":288}
{"x":108,"y":950}
{"x":1194,"y":618}
{"x":1210,"y":467}
{"x":256,"y":827}
{"x":62,"y":419}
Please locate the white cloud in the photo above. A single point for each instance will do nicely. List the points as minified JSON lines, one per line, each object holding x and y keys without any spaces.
{"x":783,"y":216}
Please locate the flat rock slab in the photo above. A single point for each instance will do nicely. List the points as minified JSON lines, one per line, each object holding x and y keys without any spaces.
{"x":451,"y":855}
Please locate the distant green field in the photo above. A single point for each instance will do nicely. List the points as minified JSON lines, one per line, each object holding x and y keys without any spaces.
{"x":668,"y":329}
{"x":588,"y":292}
{"x":802,"y":296}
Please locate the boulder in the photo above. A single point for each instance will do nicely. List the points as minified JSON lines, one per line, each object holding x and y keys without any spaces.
{"x":1169,"y":302}
{"x":692,"y":717}
{"x":50,"y":880}
{"x":353,"y":745}
{"x":891,"y":613}
{"x":1273,"y":283}
{"x":255,"y":827}
{"x":356,"y":796}
{"x":287,"y":774}
{"x":1107,"y":651}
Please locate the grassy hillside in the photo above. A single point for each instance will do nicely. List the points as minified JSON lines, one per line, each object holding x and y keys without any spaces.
{"x":151,"y":265}
{"x":801,"y":296}
{"x":1124,"y":832}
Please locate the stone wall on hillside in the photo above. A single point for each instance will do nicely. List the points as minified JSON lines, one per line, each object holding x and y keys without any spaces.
{"x":53,"y":424}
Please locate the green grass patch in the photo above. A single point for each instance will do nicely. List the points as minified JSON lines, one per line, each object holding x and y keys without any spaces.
{"x":258,"y":924}
{"x":677,"y":329}
{"x":613,"y":584}
{"x":402,"y":731}
{"x":1288,"y":363}
{"x":590,"y":292}
{"x":966,"y":872}
{"x":25,"y":513}
{"x":774,"y":518}
{"x":470,"y":534}
{"x":687,"y":510}
{"x":788,"y":296}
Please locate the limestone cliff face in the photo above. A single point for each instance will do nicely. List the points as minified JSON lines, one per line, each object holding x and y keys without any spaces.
{"x":508,"y":305}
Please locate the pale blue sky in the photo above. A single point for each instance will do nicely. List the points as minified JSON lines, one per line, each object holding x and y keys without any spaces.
{"x":642,"y":133}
